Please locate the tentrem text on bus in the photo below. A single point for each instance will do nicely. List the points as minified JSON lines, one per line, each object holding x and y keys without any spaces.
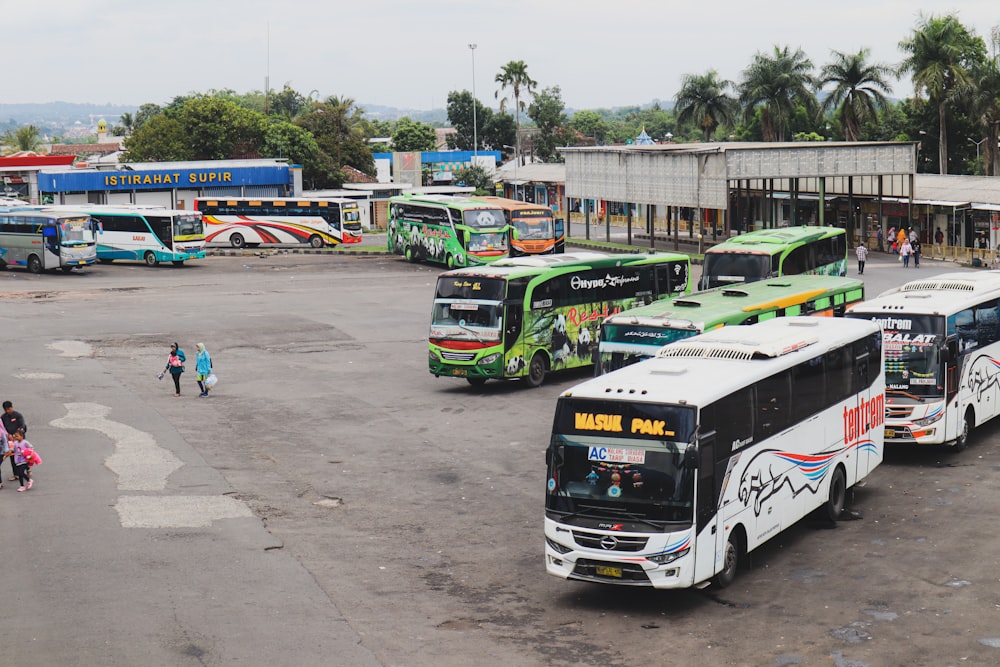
{"x":942,"y":354}
{"x":766,"y":253}
{"x":669,"y":472}
{"x":454,"y":231}
{"x":150,"y":234}
{"x":533,"y":230}
{"x":523,"y":317}
{"x":44,"y":240}
{"x":638,"y":334}
{"x":247,"y":221}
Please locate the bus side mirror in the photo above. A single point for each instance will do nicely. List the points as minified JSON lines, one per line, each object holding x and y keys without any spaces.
{"x":555,"y":456}
{"x":513,"y":234}
{"x":691,"y":458}
{"x":466,"y":236}
{"x":560,"y":227}
{"x":950,"y":351}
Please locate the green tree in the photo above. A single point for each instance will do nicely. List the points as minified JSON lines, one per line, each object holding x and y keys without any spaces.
{"x":287,"y":104}
{"x":514,"y":77}
{"x":284,"y":140}
{"x":411,"y":135}
{"x":591,"y":124}
{"x":859,"y":91}
{"x":159,"y":139}
{"x":127,"y":126}
{"x":704,"y":100}
{"x":476,"y":177}
{"x":219,"y":129}
{"x":460,"y":116}
{"x":940,"y":53}
{"x":985,"y":106}
{"x":24,"y":138}
{"x":547,"y":110}
{"x":144,"y":113}
{"x":341,"y":131}
{"x":777,"y":83}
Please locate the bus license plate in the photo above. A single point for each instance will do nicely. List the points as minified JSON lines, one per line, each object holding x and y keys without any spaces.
{"x":608,"y":571}
{"x":461,"y":372}
{"x":890,"y":433}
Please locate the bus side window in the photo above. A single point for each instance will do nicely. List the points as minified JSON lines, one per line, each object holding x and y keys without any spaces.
{"x":986,"y":322}
{"x":773,"y":403}
{"x":798,"y":260}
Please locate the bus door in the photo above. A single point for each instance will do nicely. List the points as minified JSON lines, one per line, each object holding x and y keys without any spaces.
{"x":708,"y":534}
{"x":162,"y":227}
{"x":560,"y":228}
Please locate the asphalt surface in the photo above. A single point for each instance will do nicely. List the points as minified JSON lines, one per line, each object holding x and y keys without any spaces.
{"x":333,"y":504}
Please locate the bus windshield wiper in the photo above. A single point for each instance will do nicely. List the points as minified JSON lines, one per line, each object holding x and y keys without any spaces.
{"x":591,"y":510}
{"x":900,"y":392}
{"x":471,"y":331}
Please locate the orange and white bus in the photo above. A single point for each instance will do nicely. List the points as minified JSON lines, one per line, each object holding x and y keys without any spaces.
{"x":533,"y":228}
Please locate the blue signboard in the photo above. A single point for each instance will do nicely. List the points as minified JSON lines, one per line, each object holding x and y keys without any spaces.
{"x":163,"y":179}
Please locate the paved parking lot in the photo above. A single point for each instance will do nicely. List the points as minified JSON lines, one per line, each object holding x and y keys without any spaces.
{"x":333,"y":503}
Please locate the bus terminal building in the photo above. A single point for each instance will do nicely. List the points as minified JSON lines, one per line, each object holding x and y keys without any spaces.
{"x":723,"y":189}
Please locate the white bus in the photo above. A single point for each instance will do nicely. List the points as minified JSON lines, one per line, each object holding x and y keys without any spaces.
{"x":150,"y":234}
{"x":942,"y":356}
{"x":661,"y":475}
{"x":253,"y":221}
{"x":44,"y":240}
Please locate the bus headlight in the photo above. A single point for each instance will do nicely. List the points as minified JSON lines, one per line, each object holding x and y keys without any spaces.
{"x":489,"y":359}
{"x":663,"y":559}
{"x":927,"y":421}
{"x":433,"y":356}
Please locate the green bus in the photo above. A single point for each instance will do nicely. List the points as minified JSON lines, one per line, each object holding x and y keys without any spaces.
{"x":766,"y":253}
{"x":522,"y":317}
{"x":454,"y":231}
{"x":640,"y":333}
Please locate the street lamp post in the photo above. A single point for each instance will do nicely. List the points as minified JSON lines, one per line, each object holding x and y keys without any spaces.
{"x":475,"y":130}
{"x":978,"y":144}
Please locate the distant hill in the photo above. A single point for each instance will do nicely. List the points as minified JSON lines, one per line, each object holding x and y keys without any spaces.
{"x":56,"y":117}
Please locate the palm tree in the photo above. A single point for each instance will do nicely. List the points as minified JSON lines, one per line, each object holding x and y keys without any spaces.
{"x":514,"y":75}
{"x":984,"y":102}
{"x":703,"y":100}
{"x":26,"y":138}
{"x":859,"y":92}
{"x":776,"y":84}
{"x":941,"y":51}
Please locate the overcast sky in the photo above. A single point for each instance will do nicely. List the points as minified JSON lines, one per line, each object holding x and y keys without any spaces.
{"x":411,"y":54}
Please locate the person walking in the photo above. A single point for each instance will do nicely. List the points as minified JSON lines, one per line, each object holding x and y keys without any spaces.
{"x":202,"y":369}
{"x":915,"y":249}
{"x":905,"y":250}
{"x":862,"y":253}
{"x":13,"y":421}
{"x":939,"y":236}
{"x":5,"y":451}
{"x":900,"y":237}
{"x":20,"y":462}
{"x":175,"y":366}
{"x":878,"y":236}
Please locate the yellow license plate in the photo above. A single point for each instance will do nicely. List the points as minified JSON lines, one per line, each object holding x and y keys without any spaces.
{"x":607,"y":571}
{"x":889,"y":433}
{"x":459,"y":371}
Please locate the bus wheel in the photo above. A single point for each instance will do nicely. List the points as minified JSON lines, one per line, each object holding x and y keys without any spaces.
{"x":476,"y":382}
{"x":731,"y":561}
{"x":536,"y":370}
{"x":34,"y":264}
{"x":962,"y":441}
{"x":237,"y":241}
{"x":150,"y":258}
{"x":838,"y":496}
{"x":410,"y":254}
{"x":316,"y":241}
{"x":177,"y":262}
{"x":67,"y":269}
{"x":449,"y":260}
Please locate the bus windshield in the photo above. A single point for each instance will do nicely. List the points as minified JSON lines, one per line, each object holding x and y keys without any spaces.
{"x":188,"y":225}
{"x":76,"y":231}
{"x":912,"y":344}
{"x":724,"y":268}
{"x":621,"y":461}
{"x":533,"y":228}
{"x":496,"y":241}
{"x":625,"y":344}
{"x":484,"y":218}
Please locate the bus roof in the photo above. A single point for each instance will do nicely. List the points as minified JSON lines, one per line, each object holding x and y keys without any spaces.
{"x":512,"y":204}
{"x":460,"y":203}
{"x":688,"y":371}
{"x":517,"y":267}
{"x":713,"y":306}
{"x":118,"y":209}
{"x":771,"y":241}
{"x":946,"y":292}
{"x":278,"y":201}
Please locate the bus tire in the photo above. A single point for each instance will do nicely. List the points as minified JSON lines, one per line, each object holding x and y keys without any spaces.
{"x":67,"y":269}
{"x":410,"y":254}
{"x":316,"y":241}
{"x":730,"y":560}
{"x":962,"y":441}
{"x":237,"y":241}
{"x":177,"y":262}
{"x":34,"y":264}
{"x":537,"y":370}
{"x":150,"y":258}
{"x":838,"y":496}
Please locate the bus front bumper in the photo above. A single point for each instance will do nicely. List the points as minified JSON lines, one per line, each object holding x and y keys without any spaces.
{"x":484,"y":369}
